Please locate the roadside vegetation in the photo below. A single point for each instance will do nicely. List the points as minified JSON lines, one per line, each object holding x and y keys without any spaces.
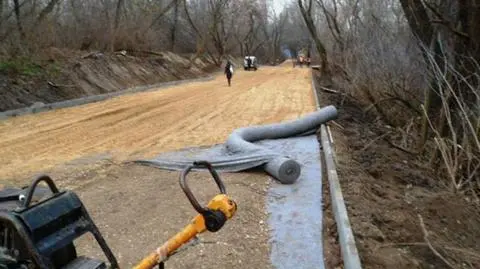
{"x":406,"y":76}
{"x":415,"y":64}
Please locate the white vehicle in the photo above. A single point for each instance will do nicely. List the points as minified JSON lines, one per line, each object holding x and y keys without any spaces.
{"x":250,"y":62}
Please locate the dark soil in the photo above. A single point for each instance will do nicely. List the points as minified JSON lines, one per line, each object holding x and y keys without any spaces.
{"x":387,"y":193}
{"x":57,"y":75}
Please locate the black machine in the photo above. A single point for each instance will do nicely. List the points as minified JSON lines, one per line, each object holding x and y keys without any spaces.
{"x":38,"y":226}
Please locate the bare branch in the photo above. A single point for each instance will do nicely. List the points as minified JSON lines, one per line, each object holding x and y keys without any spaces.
{"x":161,"y":13}
{"x":49,"y":8}
{"x":427,"y":240}
{"x":17,"y":17}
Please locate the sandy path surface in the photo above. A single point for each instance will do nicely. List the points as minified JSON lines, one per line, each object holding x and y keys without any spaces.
{"x":143,"y":124}
{"x":137,"y":207}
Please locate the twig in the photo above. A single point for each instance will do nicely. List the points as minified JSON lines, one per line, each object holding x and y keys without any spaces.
{"x":374,"y":104}
{"x":405,"y":102}
{"x":344,"y":72}
{"x":423,"y":244}
{"x":425,"y":237}
{"x":338,"y":125}
{"x":145,"y":52}
{"x":343,"y":99}
{"x":401,"y":148}
{"x":374,"y":140}
{"x":328,"y":90}
{"x":59,"y":85}
{"x":121,"y":52}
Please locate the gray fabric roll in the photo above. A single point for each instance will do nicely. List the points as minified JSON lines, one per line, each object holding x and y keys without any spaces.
{"x":239,"y":153}
{"x":241,"y":139}
{"x":285,"y":170}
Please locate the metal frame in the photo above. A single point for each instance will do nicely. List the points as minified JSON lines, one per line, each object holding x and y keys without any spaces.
{"x":351,"y":259}
{"x":188,"y":192}
{"x":14,"y":218}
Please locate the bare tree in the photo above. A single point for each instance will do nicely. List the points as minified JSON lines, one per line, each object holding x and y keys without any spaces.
{"x":306,"y":7}
{"x":217,"y":30}
{"x":218,"y":27}
{"x":48,"y":9}
{"x":332,"y":21}
{"x":214,"y":26}
{"x":201,"y":38}
{"x":18,"y":19}
{"x":1,"y":11}
{"x":436,"y":26}
{"x":172,"y":4}
{"x":429,"y":92}
{"x":277,"y":33}
{"x":116,"y":23}
{"x":173,"y":27}
{"x":418,"y":19}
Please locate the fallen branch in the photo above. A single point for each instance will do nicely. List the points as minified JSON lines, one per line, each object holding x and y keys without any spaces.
{"x":337,"y":124}
{"x":430,"y":246}
{"x":401,"y":148}
{"x":406,"y":103}
{"x":93,"y":55}
{"x":377,"y":103}
{"x":328,"y":90}
{"x":465,"y":252}
{"x":145,"y":52}
{"x":374,"y":140}
{"x":344,"y":72}
{"x":392,"y":98}
{"x":59,"y":85}
{"x":122,"y":53}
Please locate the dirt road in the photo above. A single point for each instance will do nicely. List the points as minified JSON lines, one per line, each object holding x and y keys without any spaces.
{"x":144,"y":124}
{"x":138,"y":207}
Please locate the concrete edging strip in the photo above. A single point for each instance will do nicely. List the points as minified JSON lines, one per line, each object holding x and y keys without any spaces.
{"x":96,"y":98}
{"x":351,"y":259}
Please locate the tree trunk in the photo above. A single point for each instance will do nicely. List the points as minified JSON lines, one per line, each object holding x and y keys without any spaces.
{"x":460,"y":37}
{"x":421,"y":27}
{"x":18,"y":19}
{"x":332,"y":23}
{"x":116,"y":24}
{"x":162,"y":12}
{"x":307,"y":16}
{"x":467,"y":50}
{"x":173,"y":28}
{"x":1,"y":11}
{"x":201,"y":39}
{"x":49,"y":8}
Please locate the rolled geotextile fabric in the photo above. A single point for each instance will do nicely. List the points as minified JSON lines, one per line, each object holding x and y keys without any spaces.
{"x":283,"y":169}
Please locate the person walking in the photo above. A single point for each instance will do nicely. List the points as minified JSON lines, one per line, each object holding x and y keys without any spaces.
{"x":229,"y":72}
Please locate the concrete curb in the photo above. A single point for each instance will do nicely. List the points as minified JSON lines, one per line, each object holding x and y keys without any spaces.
{"x":351,"y":259}
{"x":96,"y":98}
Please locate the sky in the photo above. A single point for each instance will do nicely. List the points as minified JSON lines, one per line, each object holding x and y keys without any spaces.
{"x":279,"y":4}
